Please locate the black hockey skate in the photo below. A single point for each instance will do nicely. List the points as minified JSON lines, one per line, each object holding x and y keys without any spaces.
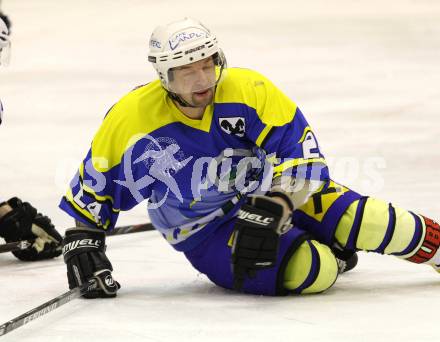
{"x":347,"y":265}
{"x":347,"y":259}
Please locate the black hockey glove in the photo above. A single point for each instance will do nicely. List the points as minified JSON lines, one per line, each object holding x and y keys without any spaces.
{"x":23,"y":222}
{"x":84,"y":255}
{"x":256,"y":237}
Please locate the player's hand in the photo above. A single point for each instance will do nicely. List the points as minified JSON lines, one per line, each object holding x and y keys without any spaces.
{"x":21,"y":221}
{"x":256,"y":237}
{"x":84,"y":255}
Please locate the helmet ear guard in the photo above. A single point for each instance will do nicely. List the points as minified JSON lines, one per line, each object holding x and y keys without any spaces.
{"x":220,"y":59}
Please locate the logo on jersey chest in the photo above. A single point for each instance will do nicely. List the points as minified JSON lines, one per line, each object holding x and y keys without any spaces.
{"x":234,"y":125}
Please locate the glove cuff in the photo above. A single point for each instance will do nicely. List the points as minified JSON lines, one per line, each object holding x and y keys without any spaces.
{"x":270,"y":205}
{"x":284,"y":196}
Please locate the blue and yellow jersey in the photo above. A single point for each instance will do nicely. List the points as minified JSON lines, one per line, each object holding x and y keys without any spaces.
{"x":194,"y":173}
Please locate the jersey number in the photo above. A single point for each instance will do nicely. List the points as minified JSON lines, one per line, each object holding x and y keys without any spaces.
{"x":308,"y":145}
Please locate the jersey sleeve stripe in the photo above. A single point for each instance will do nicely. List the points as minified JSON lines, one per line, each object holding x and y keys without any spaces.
{"x":85,"y":214}
{"x":306,"y":130}
{"x":264,"y":135}
{"x":89,"y":191}
{"x":291,"y":163}
{"x":77,"y":211}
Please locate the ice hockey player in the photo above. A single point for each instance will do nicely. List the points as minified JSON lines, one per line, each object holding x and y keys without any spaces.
{"x":234,"y":179}
{"x":20,"y":220}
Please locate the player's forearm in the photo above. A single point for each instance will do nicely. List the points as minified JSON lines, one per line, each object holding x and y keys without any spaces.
{"x":80,"y":224}
{"x":297,"y":192}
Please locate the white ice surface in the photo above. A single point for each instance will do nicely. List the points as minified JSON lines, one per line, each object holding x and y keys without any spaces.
{"x":366,"y":75}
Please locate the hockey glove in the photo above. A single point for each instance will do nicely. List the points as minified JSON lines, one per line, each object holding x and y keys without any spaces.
{"x":23,"y":222}
{"x":84,"y":255}
{"x":256,"y":237}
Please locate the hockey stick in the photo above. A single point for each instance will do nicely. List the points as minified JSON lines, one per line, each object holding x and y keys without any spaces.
{"x":15,"y":246}
{"x":136,"y":228}
{"x":24,"y":244}
{"x":47,"y":307}
{"x":67,"y":296}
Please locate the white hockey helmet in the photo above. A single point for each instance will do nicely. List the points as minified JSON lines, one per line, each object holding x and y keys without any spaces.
{"x":5,"y":43}
{"x":180,"y":43}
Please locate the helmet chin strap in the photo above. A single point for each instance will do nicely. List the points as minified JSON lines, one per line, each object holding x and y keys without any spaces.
{"x":179,"y":100}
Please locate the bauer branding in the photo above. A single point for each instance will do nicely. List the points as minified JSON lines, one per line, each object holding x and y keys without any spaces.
{"x":197,"y":48}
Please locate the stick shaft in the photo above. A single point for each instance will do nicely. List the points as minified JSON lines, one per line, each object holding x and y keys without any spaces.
{"x":47,"y":307}
{"x":24,"y":244}
{"x":15,"y":246}
{"x":136,"y":228}
{"x":65,"y":297}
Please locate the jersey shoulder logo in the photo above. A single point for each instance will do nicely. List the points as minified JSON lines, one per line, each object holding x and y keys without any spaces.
{"x":233,"y":125}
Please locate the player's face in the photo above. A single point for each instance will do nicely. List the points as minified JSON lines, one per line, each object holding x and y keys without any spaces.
{"x":195,"y":82}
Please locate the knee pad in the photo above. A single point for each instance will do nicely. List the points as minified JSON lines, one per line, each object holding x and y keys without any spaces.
{"x":311,"y":269}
